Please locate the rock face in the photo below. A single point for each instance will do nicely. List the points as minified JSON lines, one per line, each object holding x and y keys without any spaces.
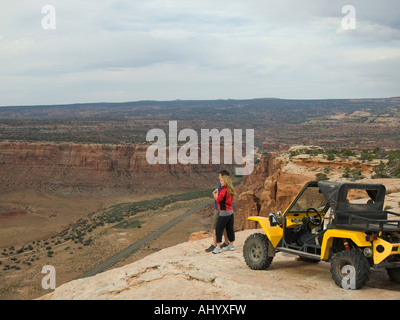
{"x":93,"y":166}
{"x":187,"y":272}
{"x":277,"y":179}
{"x":269,"y":188}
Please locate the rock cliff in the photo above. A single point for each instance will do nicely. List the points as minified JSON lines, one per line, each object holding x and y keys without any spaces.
{"x":77,"y":166}
{"x":187,"y":272}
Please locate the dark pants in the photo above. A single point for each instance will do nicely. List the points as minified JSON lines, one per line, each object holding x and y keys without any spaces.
{"x":225,"y":222}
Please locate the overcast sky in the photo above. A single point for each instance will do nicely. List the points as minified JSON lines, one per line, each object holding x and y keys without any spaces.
{"x":120,"y":50}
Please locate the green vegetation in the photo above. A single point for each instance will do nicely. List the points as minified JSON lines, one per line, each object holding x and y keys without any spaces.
{"x":310,"y":151}
{"x":343,"y":154}
{"x":321,"y":177}
{"x":330,"y":154}
{"x":391,"y":167}
{"x":388,"y":167}
{"x":354,"y":174}
{"x":130,"y":224}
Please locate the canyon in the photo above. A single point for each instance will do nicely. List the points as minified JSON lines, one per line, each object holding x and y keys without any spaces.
{"x":187,"y":272}
{"x":276,"y":179}
{"x":64,"y":167}
{"x":52,"y":167}
{"x":49,"y":189}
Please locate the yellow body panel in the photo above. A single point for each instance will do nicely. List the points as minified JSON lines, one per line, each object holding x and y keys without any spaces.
{"x":274,"y":234}
{"x":386,"y":250}
{"x":359,"y":238}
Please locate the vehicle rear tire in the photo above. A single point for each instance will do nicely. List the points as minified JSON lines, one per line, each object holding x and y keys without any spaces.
{"x":358,"y":261}
{"x":394,"y":274}
{"x":255,"y":251}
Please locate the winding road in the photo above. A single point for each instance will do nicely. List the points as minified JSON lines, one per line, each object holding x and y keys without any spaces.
{"x":108,"y":263}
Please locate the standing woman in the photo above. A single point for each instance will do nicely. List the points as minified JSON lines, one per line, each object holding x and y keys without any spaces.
{"x":224,"y":198}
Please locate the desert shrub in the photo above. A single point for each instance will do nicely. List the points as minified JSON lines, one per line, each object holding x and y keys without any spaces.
{"x":346,"y":173}
{"x":380,"y":171}
{"x":327,"y":170}
{"x":354,"y":174}
{"x":366,"y":155}
{"x":390,"y":169}
{"x":321,"y":177}
{"x":345,"y":153}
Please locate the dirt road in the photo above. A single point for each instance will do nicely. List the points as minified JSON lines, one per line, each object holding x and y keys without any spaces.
{"x":110,"y":262}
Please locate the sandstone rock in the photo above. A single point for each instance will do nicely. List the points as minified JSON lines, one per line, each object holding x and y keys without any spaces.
{"x":199,"y":235}
{"x":187,"y":272}
{"x":52,"y":166}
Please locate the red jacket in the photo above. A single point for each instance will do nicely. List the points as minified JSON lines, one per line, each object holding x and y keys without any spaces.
{"x":224,"y":199}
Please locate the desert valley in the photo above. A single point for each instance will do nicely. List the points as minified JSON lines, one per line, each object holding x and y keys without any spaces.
{"x":76,"y":187}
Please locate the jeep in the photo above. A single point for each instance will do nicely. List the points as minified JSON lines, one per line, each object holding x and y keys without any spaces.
{"x":338,"y":222}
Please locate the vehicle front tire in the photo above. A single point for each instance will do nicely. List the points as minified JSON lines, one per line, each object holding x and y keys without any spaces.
{"x":255,"y":251}
{"x":357,"y":277}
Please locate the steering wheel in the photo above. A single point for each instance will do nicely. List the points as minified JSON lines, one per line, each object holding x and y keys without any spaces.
{"x":314,"y":220}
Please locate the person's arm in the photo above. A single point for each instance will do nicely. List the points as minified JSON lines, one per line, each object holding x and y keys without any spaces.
{"x":221,"y":195}
{"x":215,"y":194}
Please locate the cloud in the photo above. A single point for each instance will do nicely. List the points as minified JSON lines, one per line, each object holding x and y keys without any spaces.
{"x":118,"y":50}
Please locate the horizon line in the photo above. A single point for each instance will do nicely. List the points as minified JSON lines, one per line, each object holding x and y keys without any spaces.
{"x":183,"y":100}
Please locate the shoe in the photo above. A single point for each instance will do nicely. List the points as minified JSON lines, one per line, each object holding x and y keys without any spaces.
{"x":229,"y":248}
{"x":210,"y":248}
{"x":224,"y":245}
{"x":217,"y":250}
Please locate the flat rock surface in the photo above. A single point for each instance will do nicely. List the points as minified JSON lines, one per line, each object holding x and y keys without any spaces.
{"x":187,"y":272}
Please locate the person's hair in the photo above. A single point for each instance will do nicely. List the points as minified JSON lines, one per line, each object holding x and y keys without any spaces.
{"x":224,"y":173}
{"x":229,"y":185}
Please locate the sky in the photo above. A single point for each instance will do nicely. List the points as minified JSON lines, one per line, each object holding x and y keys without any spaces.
{"x":118,"y":50}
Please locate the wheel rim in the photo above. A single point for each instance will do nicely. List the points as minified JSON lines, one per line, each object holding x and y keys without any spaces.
{"x":339,"y":268}
{"x":256,"y":252}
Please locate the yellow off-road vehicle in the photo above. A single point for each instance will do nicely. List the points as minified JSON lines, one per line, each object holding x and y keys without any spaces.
{"x":342,"y":223}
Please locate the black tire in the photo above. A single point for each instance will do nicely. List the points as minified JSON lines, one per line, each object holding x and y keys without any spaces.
{"x":255,"y":251}
{"x":394,"y":274}
{"x":352,"y":258}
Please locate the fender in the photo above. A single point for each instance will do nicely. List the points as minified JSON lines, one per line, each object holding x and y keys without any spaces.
{"x":274,"y":234}
{"x":359,"y":238}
